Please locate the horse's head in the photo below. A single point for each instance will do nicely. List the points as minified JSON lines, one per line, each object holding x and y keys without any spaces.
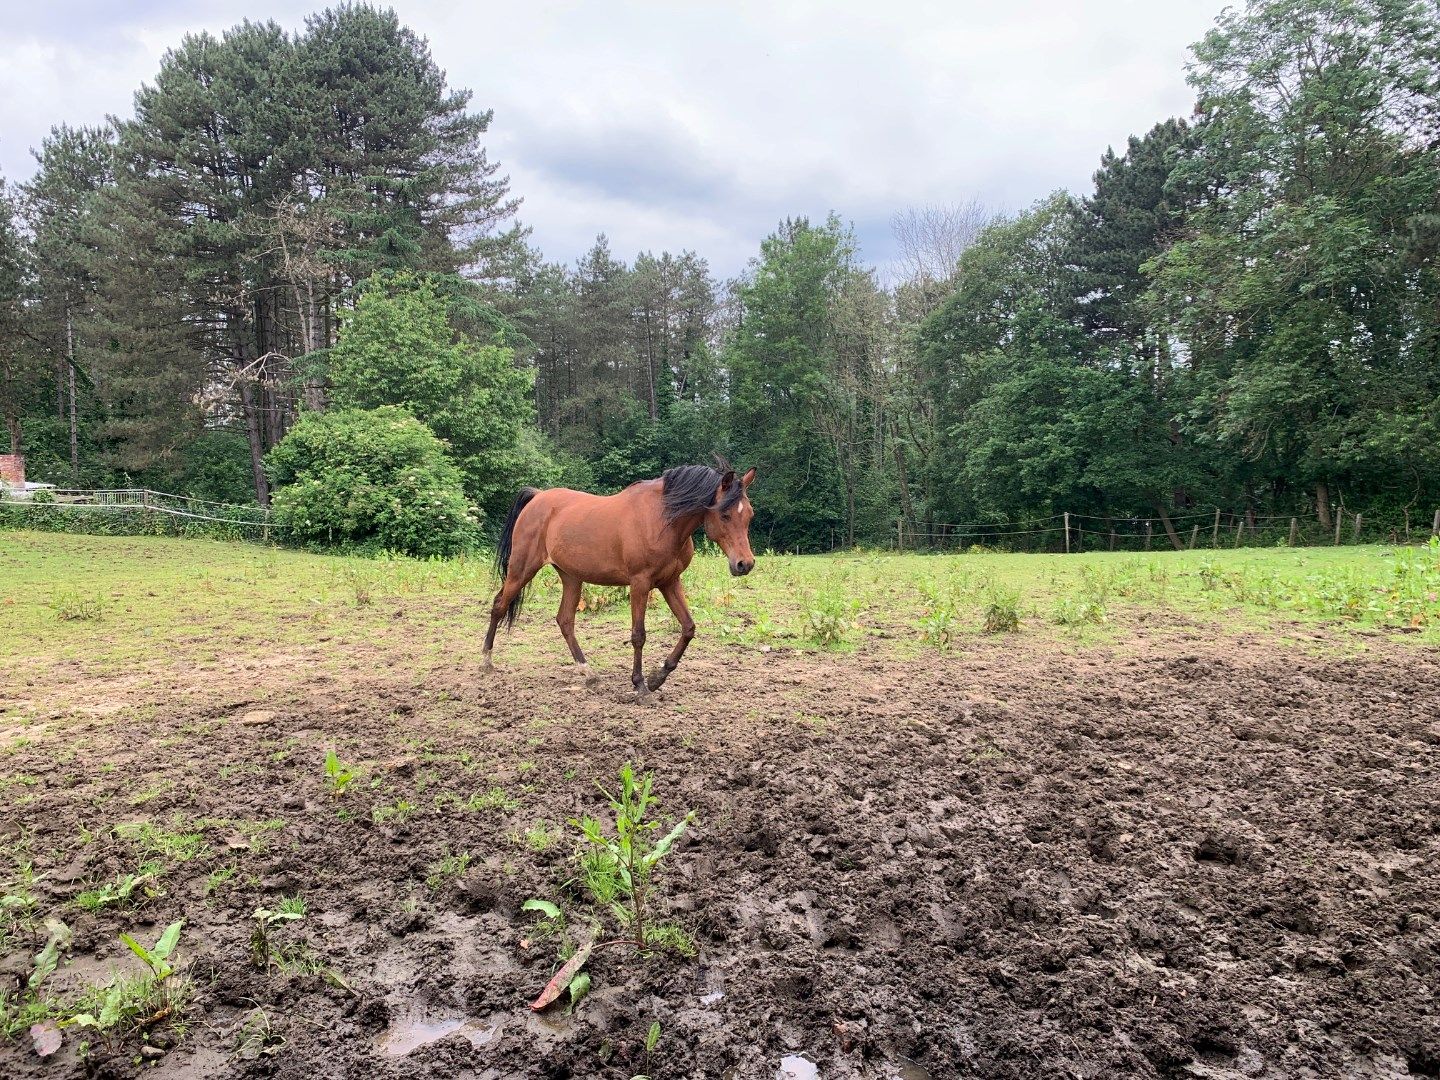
{"x":727,"y":521}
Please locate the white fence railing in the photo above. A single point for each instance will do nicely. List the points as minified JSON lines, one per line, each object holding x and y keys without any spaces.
{"x":141,"y":500}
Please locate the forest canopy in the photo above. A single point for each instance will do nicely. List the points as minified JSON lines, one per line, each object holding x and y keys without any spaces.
{"x":1242,"y":311}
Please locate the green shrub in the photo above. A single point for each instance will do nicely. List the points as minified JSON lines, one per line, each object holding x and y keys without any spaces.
{"x":1002,"y":611}
{"x":374,"y":478}
{"x":830,"y":616}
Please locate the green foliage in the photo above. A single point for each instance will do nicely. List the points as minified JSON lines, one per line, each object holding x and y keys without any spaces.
{"x":373,"y":479}
{"x":398,"y":347}
{"x":264,"y":950}
{"x":938,"y":624}
{"x":397,"y":812}
{"x":617,"y":868}
{"x":1002,"y":611}
{"x":830,"y":616}
{"x":121,"y":890}
{"x":130,"y":1003}
{"x":800,"y":363}
{"x":72,"y":605}
{"x":338,"y":776}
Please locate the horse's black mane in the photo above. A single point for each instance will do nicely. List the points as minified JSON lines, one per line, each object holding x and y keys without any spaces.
{"x":689,"y":489}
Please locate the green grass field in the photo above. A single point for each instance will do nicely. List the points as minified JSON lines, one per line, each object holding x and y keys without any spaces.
{"x":112,"y":603}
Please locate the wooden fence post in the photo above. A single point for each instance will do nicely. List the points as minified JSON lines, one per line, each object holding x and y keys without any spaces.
{"x":900,"y":534}
{"x":1112,"y":537}
{"x":1339,"y":520}
{"x":1194,"y":536}
{"x":1294,"y":531}
{"x":1067,"y":532}
{"x":1355,"y":537}
{"x":1239,"y":528}
{"x":1215,"y":533}
{"x":1149,"y":527}
{"x":1435,"y":528}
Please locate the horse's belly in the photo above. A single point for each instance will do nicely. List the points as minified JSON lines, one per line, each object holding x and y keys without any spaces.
{"x":577,"y":548}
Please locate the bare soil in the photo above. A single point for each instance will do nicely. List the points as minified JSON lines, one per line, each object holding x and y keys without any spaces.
{"x":1180,"y":853}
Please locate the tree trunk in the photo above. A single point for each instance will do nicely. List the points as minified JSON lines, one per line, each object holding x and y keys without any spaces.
{"x":1169,"y":526}
{"x":74,"y":419}
{"x":9,"y":406}
{"x":1322,"y":504}
{"x":257,"y":447}
{"x":907,"y":504}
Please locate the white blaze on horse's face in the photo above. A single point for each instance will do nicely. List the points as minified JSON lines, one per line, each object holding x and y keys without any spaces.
{"x":729,"y":526}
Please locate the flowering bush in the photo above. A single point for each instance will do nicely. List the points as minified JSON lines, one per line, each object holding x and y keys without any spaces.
{"x":370,"y":478}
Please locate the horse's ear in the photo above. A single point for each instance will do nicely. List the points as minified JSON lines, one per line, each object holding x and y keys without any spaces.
{"x":748,"y":478}
{"x":727,"y":479}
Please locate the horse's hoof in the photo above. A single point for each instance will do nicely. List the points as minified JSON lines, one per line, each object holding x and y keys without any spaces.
{"x":587,"y":673}
{"x":656,"y":679}
{"x":642,"y":692}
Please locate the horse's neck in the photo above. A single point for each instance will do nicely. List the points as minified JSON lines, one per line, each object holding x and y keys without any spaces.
{"x":682,"y":531}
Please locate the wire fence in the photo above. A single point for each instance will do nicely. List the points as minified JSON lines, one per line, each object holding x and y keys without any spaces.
{"x":134,"y":511}
{"x":143,"y":510}
{"x":1212,"y":527}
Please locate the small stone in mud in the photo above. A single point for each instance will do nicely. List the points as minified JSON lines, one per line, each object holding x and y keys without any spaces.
{"x":151,"y":1053}
{"x":256,"y":717}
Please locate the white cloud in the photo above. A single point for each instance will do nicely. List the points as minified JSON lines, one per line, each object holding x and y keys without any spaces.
{"x":702,"y":125}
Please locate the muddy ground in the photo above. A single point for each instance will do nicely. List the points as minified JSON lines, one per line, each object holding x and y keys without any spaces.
{"x":1180,"y":852}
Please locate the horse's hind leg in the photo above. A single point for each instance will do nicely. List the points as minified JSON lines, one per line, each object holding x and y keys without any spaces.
{"x":515,"y":582}
{"x":565,"y":618}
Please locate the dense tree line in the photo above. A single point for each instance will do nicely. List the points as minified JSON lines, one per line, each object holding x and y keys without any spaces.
{"x":1243,"y":311}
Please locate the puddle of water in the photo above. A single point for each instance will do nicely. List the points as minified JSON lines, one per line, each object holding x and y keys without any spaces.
{"x":905,"y":1069}
{"x":797,"y":1067}
{"x":406,"y":1035}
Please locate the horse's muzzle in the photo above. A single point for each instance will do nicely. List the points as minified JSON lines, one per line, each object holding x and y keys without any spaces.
{"x":741,"y":568}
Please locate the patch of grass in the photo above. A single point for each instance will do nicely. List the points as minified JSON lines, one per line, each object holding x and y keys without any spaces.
{"x":124,"y":889}
{"x":539,"y":837}
{"x":1079,"y":611}
{"x":397,"y":812}
{"x":131,"y":1004}
{"x":72,"y":605}
{"x":218,"y":879}
{"x":17,"y":905}
{"x":170,"y":846}
{"x":670,"y":936}
{"x":447,"y":870}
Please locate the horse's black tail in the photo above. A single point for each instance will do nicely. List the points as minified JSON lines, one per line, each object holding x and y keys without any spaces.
{"x":502,"y":549}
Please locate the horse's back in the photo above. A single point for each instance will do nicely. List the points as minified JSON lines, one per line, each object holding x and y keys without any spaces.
{"x":604,"y":539}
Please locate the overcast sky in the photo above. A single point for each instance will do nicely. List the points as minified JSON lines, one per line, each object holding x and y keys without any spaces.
{"x":701,"y":125}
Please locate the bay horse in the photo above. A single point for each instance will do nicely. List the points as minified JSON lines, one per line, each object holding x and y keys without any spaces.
{"x":643,"y":537}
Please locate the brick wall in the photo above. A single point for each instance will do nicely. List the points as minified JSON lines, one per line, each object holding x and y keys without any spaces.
{"x":12,"y":470}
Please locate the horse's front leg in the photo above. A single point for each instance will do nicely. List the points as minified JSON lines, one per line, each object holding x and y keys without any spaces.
{"x":674,"y":594}
{"x":639,"y":598}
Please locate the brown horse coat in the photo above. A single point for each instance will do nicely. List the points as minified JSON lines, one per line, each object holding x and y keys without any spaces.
{"x":642,"y":537}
